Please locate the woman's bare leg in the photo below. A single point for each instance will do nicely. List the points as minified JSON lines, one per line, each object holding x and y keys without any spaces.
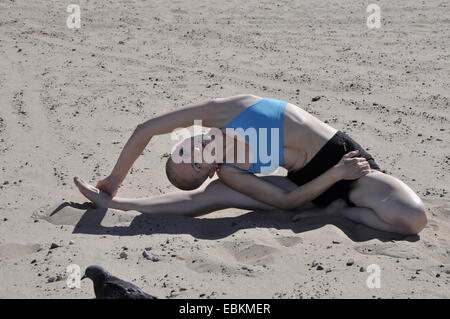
{"x":384,"y":203}
{"x":360,"y":215}
{"x":391,"y":200}
{"x":212,"y":197}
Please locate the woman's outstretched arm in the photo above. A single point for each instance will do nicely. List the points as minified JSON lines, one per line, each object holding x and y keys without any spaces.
{"x":142,"y":135}
{"x":212,"y":112}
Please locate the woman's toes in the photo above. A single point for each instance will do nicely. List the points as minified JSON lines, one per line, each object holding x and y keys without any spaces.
{"x":78,"y":183}
{"x":82,"y":185}
{"x":76,"y":180}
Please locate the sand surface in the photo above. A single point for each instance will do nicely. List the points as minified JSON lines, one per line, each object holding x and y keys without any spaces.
{"x":71,"y":98}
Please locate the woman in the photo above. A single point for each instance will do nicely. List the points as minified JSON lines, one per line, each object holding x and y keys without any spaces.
{"x":328,"y":171}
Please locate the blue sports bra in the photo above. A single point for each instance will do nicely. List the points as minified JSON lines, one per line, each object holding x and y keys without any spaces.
{"x":262,"y":126}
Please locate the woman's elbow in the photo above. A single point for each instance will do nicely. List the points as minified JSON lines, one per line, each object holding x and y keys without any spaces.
{"x":287,"y":202}
{"x":139,"y":128}
{"x":142,"y":130}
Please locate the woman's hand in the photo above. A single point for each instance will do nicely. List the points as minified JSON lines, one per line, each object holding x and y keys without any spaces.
{"x":351,"y":167}
{"x":109,"y":185}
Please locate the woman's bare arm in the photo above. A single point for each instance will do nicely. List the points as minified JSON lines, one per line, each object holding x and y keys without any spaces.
{"x":157,"y":126}
{"x":209,"y":111}
{"x":349,"y":167}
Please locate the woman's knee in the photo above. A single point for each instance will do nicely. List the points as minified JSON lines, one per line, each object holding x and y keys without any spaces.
{"x":416,"y":219}
{"x":411,"y":217}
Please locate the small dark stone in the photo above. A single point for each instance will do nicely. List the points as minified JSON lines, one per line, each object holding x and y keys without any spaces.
{"x":123,"y":255}
{"x":350,"y":262}
{"x":316,"y":98}
{"x":53,"y":246}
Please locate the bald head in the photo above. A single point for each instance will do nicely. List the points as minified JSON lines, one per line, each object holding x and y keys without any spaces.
{"x":184,"y":176}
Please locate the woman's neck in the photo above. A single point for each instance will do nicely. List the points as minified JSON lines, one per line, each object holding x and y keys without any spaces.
{"x":233,"y":147}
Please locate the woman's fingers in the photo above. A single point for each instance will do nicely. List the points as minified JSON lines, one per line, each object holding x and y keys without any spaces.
{"x":106,"y":187}
{"x":101,"y":183}
{"x":363,"y":163}
{"x":365,"y":170}
{"x":351,"y":154}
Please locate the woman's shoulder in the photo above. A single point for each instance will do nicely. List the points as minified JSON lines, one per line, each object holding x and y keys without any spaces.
{"x":242,"y":100}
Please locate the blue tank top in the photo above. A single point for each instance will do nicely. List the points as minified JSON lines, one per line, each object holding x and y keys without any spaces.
{"x":262,"y":126}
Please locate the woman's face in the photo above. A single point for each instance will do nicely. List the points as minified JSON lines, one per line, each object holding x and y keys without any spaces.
{"x":191,"y":150}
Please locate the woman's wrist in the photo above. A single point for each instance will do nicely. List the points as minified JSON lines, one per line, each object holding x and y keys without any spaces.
{"x":115,"y":178}
{"x":335,"y":174}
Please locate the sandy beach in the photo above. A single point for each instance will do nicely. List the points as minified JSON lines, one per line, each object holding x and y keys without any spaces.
{"x":70,"y":99}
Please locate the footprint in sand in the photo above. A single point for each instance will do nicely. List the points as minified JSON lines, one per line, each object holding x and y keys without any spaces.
{"x":438,"y":215}
{"x":433,"y":225}
{"x":13,"y":250}
{"x":441,"y":213}
{"x":61,"y":214}
{"x":70,"y":213}
{"x":251,"y":253}
{"x":211,"y":265}
{"x":389,"y":249}
{"x":235,"y":258}
{"x":290,"y":241}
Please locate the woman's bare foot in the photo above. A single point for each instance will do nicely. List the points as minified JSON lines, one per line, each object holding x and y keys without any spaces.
{"x":331,"y":210}
{"x":96,"y":196}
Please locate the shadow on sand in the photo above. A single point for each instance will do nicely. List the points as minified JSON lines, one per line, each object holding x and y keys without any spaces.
{"x":217,"y":227}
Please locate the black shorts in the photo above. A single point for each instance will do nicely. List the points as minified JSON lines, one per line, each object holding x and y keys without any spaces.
{"x":328,"y":156}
